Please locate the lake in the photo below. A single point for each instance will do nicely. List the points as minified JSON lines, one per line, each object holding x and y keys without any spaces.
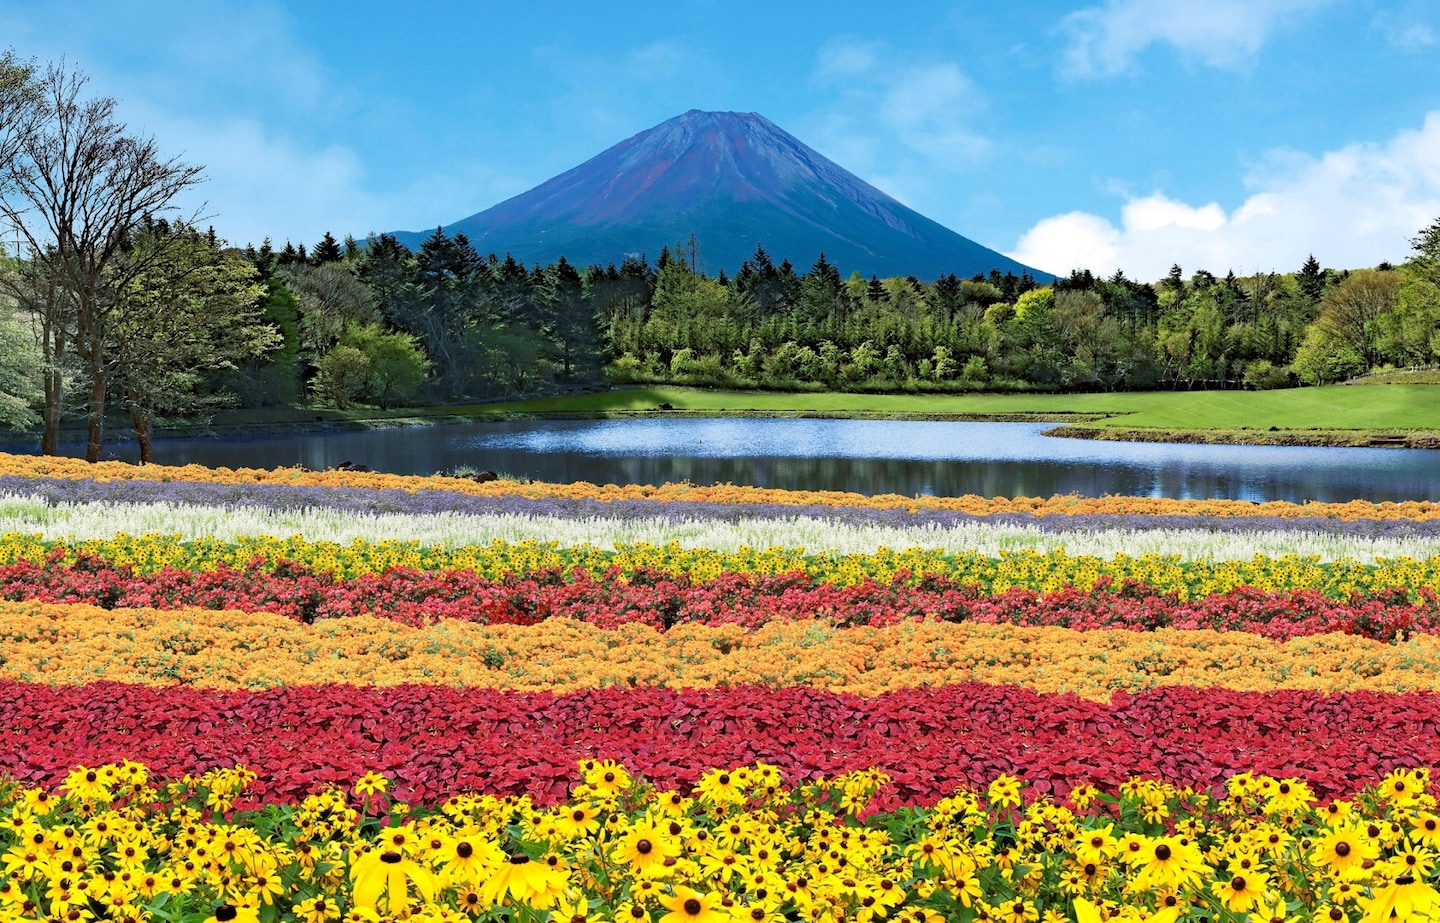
{"x":866,"y":456}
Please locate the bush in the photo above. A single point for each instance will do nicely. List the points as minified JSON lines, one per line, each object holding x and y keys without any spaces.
{"x":1264,"y":375}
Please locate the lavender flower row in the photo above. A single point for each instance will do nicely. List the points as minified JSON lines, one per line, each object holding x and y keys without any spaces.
{"x":288,"y":498}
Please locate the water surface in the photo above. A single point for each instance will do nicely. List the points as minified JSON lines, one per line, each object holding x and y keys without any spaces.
{"x":865,"y":456}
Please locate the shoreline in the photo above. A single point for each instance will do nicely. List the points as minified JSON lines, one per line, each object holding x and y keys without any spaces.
{"x":1337,"y":439}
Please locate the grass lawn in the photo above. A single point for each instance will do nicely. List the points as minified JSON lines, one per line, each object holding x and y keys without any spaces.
{"x":1340,"y":407}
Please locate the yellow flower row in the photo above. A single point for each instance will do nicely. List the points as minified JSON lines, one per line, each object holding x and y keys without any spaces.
{"x":70,"y":644}
{"x":54,"y":467}
{"x":744,"y":846}
{"x":1041,"y":571}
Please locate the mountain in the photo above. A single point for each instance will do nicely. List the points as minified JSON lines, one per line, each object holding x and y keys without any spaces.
{"x":734,"y":180}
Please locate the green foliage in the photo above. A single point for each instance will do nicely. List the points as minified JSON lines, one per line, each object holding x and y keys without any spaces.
{"x":491,"y":327}
{"x":396,"y":362}
{"x":341,"y":377}
{"x":20,"y":363}
{"x":275,"y":381}
{"x":188,"y":309}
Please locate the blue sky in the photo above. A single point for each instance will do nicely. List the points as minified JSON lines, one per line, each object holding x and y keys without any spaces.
{"x":1106,"y":134}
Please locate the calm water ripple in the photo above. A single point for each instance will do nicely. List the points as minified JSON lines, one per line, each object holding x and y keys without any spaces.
{"x":866,"y":456}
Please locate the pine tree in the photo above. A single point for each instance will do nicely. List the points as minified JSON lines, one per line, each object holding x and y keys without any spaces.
{"x":1312,"y":279}
{"x":326,"y":251}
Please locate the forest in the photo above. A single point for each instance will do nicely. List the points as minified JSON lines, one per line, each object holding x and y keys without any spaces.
{"x":449,"y":325}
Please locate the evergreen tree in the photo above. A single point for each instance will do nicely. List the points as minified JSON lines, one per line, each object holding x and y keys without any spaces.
{"x":326,"y":251}
{"x":1312,"y":279}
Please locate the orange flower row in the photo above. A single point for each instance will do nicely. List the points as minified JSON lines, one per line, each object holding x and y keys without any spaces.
{"x":71,"y":644}
{"x":53,"y":467}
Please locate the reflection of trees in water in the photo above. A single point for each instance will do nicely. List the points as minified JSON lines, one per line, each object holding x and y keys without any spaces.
{"x":425,"y":451}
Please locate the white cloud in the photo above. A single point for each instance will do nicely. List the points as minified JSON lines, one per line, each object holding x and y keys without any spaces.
{"x":841,"y":59}
{"x":898,"y":123}
{"x":263,"y":184}
{"x":926,"y":107}
{"x":1352,"y":207}
{"x":1404,"y":32}
{"x":1105,"y":40}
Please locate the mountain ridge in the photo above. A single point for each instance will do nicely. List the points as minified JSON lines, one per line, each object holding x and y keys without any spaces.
{"x":734,"y":180}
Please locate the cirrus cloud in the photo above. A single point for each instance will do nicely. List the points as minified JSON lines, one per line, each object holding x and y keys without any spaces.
{"x":1105,"y":40}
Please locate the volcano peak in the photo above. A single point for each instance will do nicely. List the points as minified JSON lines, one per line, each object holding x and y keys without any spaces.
{"x":734,"y":180}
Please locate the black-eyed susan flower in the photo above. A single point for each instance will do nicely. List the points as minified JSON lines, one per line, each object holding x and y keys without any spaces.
{"x":1004,"y":791}
{"x":687,"y":905}
{"x":319,"y":909}
{"x":645,"y":848}
{"x":1241,"y":892}
{"x":234,"y":913}
{"x":526,"y":881}
{"x":1403,"y":897}
{"x":720,"y":787}
{"x":388,"y":873}
{"x":1344,"y":851}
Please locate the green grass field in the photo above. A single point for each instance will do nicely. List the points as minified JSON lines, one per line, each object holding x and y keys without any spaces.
{"x":1388,"y":407}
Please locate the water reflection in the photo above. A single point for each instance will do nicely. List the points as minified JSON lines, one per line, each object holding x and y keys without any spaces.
{"x":867,"y":456}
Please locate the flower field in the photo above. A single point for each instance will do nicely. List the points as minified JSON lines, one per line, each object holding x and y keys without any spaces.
{"x":322,"y":696}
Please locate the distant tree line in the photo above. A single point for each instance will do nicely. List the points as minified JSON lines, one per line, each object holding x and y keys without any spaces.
{"x":771,"y":327}
{"x":378,"y":323}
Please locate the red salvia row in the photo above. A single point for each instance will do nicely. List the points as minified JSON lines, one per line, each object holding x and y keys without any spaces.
{"x":661,"y":600}
{"x":436,"y":741}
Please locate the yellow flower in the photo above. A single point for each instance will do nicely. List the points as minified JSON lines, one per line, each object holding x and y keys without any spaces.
{"x":645,"y":848}
{"x":1405,"y":896}
{"x":372,"y":783}
{"x":1344,"y":851}
{"x":316,"y":910}
{"x":691,"y":906}
{"x":233,"y":913}
{"x":527,"y":881}
{"x":387,"y":873}
{"x":1005,"y":791}
{"x":1241,"y":892}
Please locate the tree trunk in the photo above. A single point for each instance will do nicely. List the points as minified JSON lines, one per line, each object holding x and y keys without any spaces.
{"x":144,"y":423}
{"x":52,"y":347}
{"x":50,"y":438}
{"x":95,"y":440}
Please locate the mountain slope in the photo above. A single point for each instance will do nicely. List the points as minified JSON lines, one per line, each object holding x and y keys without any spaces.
{"x":734,"y":180}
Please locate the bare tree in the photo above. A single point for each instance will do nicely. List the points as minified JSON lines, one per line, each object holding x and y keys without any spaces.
{"x":75,"y":186}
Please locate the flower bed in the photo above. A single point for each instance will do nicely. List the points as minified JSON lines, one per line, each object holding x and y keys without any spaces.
{"x":948,"y":732}
{"x":231,"y":650}
{"x":437,"y":741}
{"x":30,"y":466}
{"x":662,"y":600}
{"x":748,"y":846}
{"x":1044,"y":572}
